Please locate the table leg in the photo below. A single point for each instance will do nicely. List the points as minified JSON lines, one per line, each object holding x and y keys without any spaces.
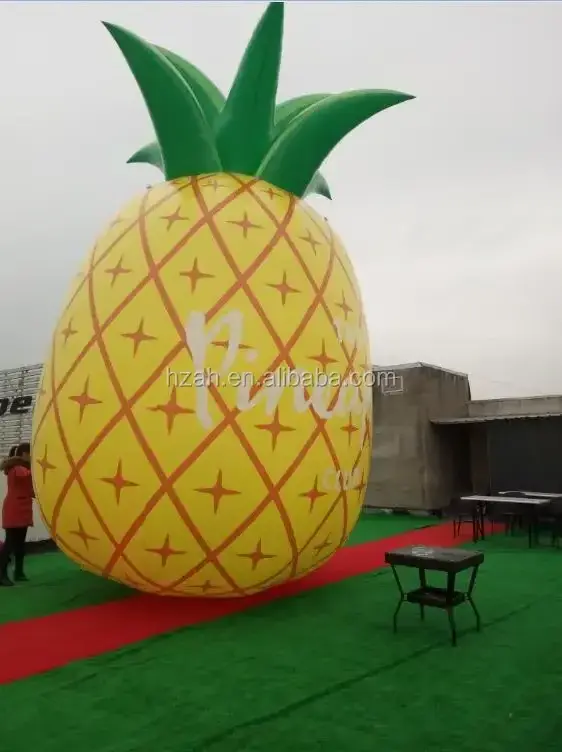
{"x":450,"y":608}
{"x":395,"y":615}
{"x":474,"y":526}
{"x":470,"y":599}
{"x":400,"y":602}
{"x":477,"y":523}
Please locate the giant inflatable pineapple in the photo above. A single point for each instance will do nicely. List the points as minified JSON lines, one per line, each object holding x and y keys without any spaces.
{"x":204,"y":422}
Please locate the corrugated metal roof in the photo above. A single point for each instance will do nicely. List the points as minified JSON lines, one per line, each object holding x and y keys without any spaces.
{"x":488,"y":418}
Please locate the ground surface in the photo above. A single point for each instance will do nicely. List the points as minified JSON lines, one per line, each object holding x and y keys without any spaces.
{"x":320,"y":670}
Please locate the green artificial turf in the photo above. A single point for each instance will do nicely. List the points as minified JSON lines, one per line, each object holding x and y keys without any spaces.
{"x":322,"y":671}
{"x":378,"y":525}
{"x":57,"y":584}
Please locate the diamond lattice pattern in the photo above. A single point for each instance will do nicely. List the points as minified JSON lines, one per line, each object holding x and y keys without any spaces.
{"x":222,"y":488}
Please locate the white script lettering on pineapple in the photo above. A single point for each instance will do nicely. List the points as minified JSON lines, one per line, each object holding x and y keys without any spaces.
{"x":340,"y":480}
{"x":352,"y":398}
{"x":349,"y":335}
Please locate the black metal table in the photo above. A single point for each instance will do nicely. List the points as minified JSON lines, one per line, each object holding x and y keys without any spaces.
{"x":529,"y":507}
{"x":448,"y":560}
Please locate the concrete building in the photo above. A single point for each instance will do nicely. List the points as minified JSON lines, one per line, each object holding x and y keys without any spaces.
{"x":433,"y":442}
{"x":414,"y":467}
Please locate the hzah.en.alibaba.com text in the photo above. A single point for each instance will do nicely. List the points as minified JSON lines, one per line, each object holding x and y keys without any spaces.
{"x":282,"y":378}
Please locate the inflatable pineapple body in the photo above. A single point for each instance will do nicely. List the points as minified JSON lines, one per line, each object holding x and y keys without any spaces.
{"x":204,"y":423}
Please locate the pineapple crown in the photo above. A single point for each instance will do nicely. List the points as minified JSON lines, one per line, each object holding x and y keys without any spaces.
{"x":199,"y":131}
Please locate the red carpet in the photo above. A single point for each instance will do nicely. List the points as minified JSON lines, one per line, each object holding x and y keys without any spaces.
{"x":36,"y":645}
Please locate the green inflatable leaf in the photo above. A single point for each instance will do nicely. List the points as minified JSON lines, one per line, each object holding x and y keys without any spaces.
{"x":149,"y":154}
{"x":284,"y":113}
{"x":319,"y":186}
{"x":175,"y":113}
{"x":210,"y":98}
{"x":245,"y":124}
{"x":198,"y":131}
{"x":299,"y":152}
{"x":288,"y":111}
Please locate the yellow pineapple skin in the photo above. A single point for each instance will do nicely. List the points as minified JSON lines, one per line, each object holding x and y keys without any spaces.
{"x":154,"y":478}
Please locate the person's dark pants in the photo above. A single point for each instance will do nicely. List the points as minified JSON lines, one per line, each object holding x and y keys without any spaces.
{"x":14,"y":545}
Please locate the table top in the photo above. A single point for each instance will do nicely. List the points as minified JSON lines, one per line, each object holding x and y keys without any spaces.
{"x":535,"y":494}
{"x":527,"y":502}
{"x":434,"y":557}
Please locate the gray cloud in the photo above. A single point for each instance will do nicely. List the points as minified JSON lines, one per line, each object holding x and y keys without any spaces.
{"x":449,"y":204}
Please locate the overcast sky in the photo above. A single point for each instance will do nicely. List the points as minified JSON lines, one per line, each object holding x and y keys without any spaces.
{"x":450,"y":205}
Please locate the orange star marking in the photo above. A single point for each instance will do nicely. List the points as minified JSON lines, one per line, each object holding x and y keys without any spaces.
{"x":68,"y":331}
{"x":171,"y":410}
{"x":308,"y":238}
{"x":350,"y":429}
{"x":119,"y":482}
{"x":206,"y":586}
{"x":166,"y":551}
{"x":174,"y":217}
{"x":138,"y":337}
{"x":84,"y":400}
{"x":344,"y":306}
{"x":257,"y":556}
{"x":275,"y":428}
{"x":218,"y":491}
{"x":117,"y":270}
{"x":83,"y":535}
{"x":321,"y":547}
{"x":245,"y":224}
{"x":195,"y":275}
{"x":324,"y":359}
{"x":45,"y":465}
{"x":270,"y":192}
{"x":314,"y":494}
{"x":213,"y":184}
{"x":284,"y":288}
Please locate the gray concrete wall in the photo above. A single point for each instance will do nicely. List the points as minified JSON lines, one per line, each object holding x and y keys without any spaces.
{"x":413,"y":466}
{"x":508,"y":407}
{"x":441,"y":393}
{"x":396,"y":469}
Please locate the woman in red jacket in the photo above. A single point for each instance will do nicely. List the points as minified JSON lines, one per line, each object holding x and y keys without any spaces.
{"x":17,"y":512}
